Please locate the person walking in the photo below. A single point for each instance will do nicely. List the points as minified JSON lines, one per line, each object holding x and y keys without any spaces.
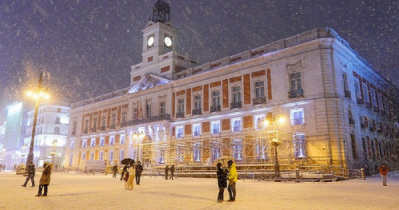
{"x":132,"y":172}
{"x":384,"y":171}
{"x":166,"y":172}
{"x":232,"y":181}
{"x":114,"y":170}
{"x":44,"y":180}
{"x":222,"y":181}
{"x":172,"y":172}
{"x":139,"y":170}
{"x":31,"y":174}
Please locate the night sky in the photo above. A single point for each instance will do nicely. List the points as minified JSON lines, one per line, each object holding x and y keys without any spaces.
{"x":88,"y":46}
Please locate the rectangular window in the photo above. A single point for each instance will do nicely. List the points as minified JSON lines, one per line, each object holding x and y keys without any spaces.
{"x":162,"y":108}
{"x":373,"y":97}
{"x":86,"y":126}
{"x":180,"y":153}
{"x":259,"y":89}
{"x":74,"y":128}
{"x":237,"y":149}
{"x":111,"y":156}
{"x":297,"y":116}
{"x":121,"y":154}
{"x":72,"y":145}
{"x":258,"y":121}
{"x":261,"y":153}
{"x":345,"y":81}
{"x":299,"y":146}
{"x":216,"y":98}
{"x":179,"y":132}
{"x":236,"y":92}
{"x":197,"y":130}
{"x":101,"y":155}
{"x":236,"y":124}
{"x":161,"y":155}
{"x":180,"y":105}
{"x":148,"y":109}
{"x":104,"y":121}
{"x":93,"y":142}
{"x":364,"y":148}
{"x":354,"y":149}
{"x":84,"y":143}
{"x":92,"y":156}
{"x":70,"y":159}
{"x":215,"y":127}
{"x":197,"y":152}
{"x":197,"y":102}
{"x":135,"y":113}
{"x":113,"y":119}
{"x":365,"y":93}
{"x":112,"y":140}
{"x":124,"y":116}
{"x":122,"y":140}
{"x":57,"y":130}
{"x":57,"y":120}
{"x":102,"y":141}
{"x":84,"y":156}
{"x":357,"y":90}
{"x":215,"y":150}
{"x":94,"y":123}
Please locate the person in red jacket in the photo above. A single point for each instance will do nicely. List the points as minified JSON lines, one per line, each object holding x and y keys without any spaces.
{"x":383,"y":171}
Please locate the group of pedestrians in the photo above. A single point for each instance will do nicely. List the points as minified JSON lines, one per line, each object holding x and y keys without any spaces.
{"x":224,"y":175}
{"x":130,"y":172}
{"x":44,"y":181}
{"x":172,"y":172}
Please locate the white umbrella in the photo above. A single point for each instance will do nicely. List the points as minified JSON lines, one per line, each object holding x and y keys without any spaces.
{"x":223,"y":160}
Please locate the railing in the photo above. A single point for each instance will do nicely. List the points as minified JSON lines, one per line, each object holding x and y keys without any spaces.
{"x":197,"y":111}
{"x":102,"y":128}
{"x":146,"y":120}
{"x":368,"y":105}
{"x":93,"y":129}
{"x":359,"y":101}
{"x":351,"y":121}
{"x":348,"y":94}
{"x":362,"y":125}
{"x":215,"y":108}
{"x":179,"y":135}
{"x":298,"y":121}
{"x":179,"y":114}
{"x":85,"y":131}
{"x":259,"y":100}
{"x":196,"y":134}
{"x":235,"y":105}
{"x":295,"y":93}
{"x":113,"y":126}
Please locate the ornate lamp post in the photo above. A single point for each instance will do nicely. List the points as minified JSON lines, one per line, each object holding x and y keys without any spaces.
{"x":37,"y":94}
{"x":275,"y":143}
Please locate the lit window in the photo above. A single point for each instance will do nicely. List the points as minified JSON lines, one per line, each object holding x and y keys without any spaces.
{"x":111,"y":156}
{"x":93,"y":142}
{"x":179,"y":132}
{"x":236,"y":124}
{"x":259,"y":121}
{"x":101,"y":155}
{"x":299,"y":145}
{"x":196,"y":129}
{"x":215,"y":126}
{"x":297,"y":116}
{"x":112,"y":140}
{"x":102,"y":141}
{"x":197,"y":152}
{"x":84,"y":143}
{"x":215,"y":150}
{"x":122,"y":139}
{"x":237,"y":149}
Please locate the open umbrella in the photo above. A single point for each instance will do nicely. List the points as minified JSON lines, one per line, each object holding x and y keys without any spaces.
{"x":127,"y":161}
{"x":223,"y":160}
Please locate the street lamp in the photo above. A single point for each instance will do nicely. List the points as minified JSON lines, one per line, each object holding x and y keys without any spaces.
{"x":275,"y":143}
{"x":39,"y":93}
{"x":137,"y":137}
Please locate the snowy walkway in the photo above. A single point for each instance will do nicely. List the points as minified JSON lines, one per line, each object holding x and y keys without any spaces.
{"x":73,"y":191}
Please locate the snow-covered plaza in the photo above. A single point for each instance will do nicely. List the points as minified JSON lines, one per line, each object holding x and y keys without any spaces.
{"x":76,"y":191}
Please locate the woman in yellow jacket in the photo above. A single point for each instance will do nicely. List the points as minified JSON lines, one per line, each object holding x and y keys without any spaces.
{"x":132,"y":174}
{"x":232,"y":181}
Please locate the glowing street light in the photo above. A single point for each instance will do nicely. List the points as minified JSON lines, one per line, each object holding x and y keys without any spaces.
{"x":275,"y":142}
{"x":138,"y":137}
{"x":38,"y":94}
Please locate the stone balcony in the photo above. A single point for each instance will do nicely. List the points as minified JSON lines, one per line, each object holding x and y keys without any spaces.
{"x":146,"y":120}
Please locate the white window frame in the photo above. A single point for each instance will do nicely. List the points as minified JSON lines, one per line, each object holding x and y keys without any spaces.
{"x":215,"y":99}
{"x":101,"y":155}
{"x":197,"y":129}
{"x":162,"y":108}
{"x":180,"y":106}
{"x":112,"y":140}
{"x":197,"y":152}
{"x":93,"y":142}
{"x":262,"y":89}
{"x":236,"y":96}
{"x":92,"y":156}
{"x":297,"y":120}
{"x":111,"y":156}
{"x":102,"y":141}
{"x":236,"y":128}
{"x":215,"y":150}
{"x":197,"y":101}
{"x":261,"y":149}
{"x":299,"y":141}
{"x":72,"y":146}
{"x":258,"y":121}
{"x":237,"y":148}
{"x":123,"y":139}
{"x":84,"y":143}
{"x":178,"y":128}
{"x":213,"y":127}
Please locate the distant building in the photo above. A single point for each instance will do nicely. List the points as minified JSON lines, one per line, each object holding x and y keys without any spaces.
{"x":339,"y":111}
{"x":51,"y":133}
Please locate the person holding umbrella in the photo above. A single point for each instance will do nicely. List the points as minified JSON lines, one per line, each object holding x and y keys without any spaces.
{"x":222,"y":181}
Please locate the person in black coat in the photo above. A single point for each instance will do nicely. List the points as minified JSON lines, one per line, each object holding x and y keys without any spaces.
{"x":124,"y":171}
{"x":172,"y":172}
{"x":222,"y":181}
{"x":166,"y":172}
{"x":139,"y":170}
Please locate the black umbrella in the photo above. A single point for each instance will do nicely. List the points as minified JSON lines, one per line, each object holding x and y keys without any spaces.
{"x":127,"y":161}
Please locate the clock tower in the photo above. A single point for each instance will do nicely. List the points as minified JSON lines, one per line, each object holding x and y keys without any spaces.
{"x":159,"y":56}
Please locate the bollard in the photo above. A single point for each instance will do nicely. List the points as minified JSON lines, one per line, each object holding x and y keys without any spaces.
{"x":297,"y":174}
{"x":363,"y":175}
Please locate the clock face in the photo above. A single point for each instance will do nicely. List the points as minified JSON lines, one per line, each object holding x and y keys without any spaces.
{"x":150,"y":41}
{"x":168,"y":41}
